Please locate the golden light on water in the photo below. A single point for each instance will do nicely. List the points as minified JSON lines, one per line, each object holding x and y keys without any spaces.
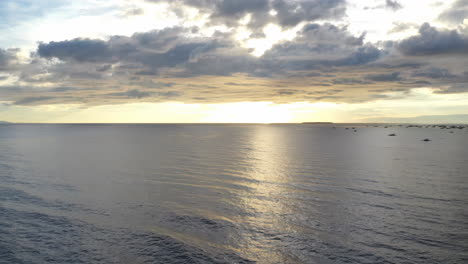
{"x":268,"y":160}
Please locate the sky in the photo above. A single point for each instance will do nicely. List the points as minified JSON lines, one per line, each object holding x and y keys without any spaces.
{"x":240,"y":61}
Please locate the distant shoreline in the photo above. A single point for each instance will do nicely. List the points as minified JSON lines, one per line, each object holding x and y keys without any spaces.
{"x":317,"y":123}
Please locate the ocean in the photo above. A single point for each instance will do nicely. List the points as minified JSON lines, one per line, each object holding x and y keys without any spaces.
{"x":259,"y":193}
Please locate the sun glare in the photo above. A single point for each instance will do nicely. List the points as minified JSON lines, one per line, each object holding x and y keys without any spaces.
{"x":262,"y":112}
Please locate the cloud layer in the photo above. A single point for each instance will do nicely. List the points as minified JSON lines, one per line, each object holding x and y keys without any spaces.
{"x":323,"y":61}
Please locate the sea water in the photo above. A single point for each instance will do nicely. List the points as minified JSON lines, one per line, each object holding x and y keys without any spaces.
{"x":167,"y":193}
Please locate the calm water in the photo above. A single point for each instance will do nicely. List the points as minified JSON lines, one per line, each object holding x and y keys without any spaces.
{"x":232,"y":194}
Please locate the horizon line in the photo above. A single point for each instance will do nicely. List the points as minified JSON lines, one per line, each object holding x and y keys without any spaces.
{"x":220,"y":123}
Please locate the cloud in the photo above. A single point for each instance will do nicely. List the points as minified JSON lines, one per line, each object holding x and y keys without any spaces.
{"x":138,"y":94}
{"x":390,"y":77}
{"x":453,"y":89}
{"x":434,"y":73}
{"x":392,"y":4}
{"x":362,"y":55}
{"x":227,"y":11}
{"x":286,"y":13}
{"x":401,"y":27}
{"x":318,"y":41}
{"x":7,"y":59}
{"x":81,"y":50}
{"x":135,"y":11}
{"x":155,"y":49}
{"x":432,"y":41}
{"x":456,"y":13}
{"x":318,"y":47}
{"x":123,"y":68}
{"x":133,"y":94}
{"x":389,"y":4}
{"x":173,"y":52}
{"x":323,"y":62}
{"x":291,"y":13}
{"x":233,"y":8}
{"x":103,"y":68}
{"x":33,"y":100}
{"x":350,"y":81}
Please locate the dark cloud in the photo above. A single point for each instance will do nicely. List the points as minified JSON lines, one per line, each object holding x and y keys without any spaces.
{"x":155,"y":49}
{"x":350,"y":81}
{"x":133,"y":94}
{"x":434,"y":73}
{"x":172,"y":53}
{"x":234,"y":8}
{"x":362,"y":55}
{"x":222,"y":11}
{"x":41,"y":71}
{"x":227,"y":11}
{"x":392,"y":4}
{"x":329,"y":34}
{"x":288,"y":13}
{"x":454,"y":88}
{"x":432,"y":41}
{"x":406,"y":65}
{"x":316,"y":40}
{"x":386,"y":77}
{"x":33,"y":100}
{"x":169,"y":94}
{"x":289,"y":91}
{"x":416,"y":83}
{"x":291,"y":13}
{"x":456,"y":13}
{"x":389,"y":90}
{"x":159,"y":85}
{"x":219,"y":65}
{"x":4,"y":58}
{"x":138,"y":94}
{"x":240,"y":84}
{"x":328,"y":92}
{"x":316,"y":48}
{"x":78,"y":49}
{"x":62,"y":89}
{"x":103,"y":68}
{"x":7,"y":58}
{"x":328,"y":98}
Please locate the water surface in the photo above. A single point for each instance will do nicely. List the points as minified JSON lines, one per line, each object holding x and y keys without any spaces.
{"x":232,"y":194}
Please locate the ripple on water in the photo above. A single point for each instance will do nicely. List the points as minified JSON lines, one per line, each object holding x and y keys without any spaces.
{"x":231,"y":194}
{"x":41,"y":238}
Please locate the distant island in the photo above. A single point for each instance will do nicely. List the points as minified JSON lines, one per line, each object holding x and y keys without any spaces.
{"x":317,"y":123}
{"x":4,"y":122}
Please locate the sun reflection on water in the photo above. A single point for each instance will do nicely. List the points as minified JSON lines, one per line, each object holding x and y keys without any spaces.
{"x":265,"y":202}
